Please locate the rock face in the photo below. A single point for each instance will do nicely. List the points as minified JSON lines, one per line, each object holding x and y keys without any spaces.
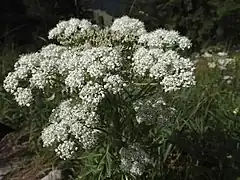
{"x":11,"y":153}
{"x":17,"y":162}
{"x":102,"y":18}
{"x":54,"y":175}
{"x":4,"y":169}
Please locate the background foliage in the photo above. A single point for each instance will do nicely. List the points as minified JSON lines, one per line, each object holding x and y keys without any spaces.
{"x":204,"y":21}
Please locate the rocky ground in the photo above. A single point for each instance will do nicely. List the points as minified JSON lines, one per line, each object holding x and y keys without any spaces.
{"x":18,"y":163}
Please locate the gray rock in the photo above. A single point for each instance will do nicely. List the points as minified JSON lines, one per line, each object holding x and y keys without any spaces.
{"x":5,"y":169}
{"x":54,"y":175}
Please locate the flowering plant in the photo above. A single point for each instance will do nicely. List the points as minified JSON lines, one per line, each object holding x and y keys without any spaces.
{"x":111,"y":84}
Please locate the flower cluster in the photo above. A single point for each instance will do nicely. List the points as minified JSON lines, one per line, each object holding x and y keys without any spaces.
{"x":89,"y":72}
{"x":26,"y":65}
{"x":70,"y":119}
{"x":126,"y":26}
{"x":94,"y":64}
{"x":134,"y":160}
{"x":167,"y":67}
{"x":23,"y":96}
{"x":65,"y":29}
{"x":162,"y":38}
{"x":152,"y":110}
{"x":220,"y":61}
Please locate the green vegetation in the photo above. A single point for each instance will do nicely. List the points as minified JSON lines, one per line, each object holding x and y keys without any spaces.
{"x":206,"y":22}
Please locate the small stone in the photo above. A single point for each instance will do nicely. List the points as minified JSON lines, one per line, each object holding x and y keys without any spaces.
{"x":54,"y":175}
{"x":5,"y":169}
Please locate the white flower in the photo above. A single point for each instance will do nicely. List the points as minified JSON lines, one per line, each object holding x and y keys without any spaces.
{"x":86,"y":136}
{"x":53,"y":51}
{"x":137,"y":168}
{"x":113,"y":83}
{"x":143,"y":60}
{"x":38,"y":80}
{"x":161,"y":38}
{"x":222,"y":54}
{"x":126,"y":25}
{"x":10,"y":83}
{"x":182,"y":79}
{"x":55,"y":132}
{"x":27,"y":63}
{"x":76,"y":120}
{"x":212,"y":65}
{"x":70,"y":60}
{"x":224,"y":62}
{"x":68,"y":28}
{"x":72,"y":27}
{"x":22,"y":72}
{"x":92,"y":94}
{"x":75,"y":25}
{"x":75,"y":79}
{"x":152,"y":110}
{"x":23,"y":96}
{"x":98,"y":61}
{"x":66,"y":149}
{"x":184,"y":43}
{"x":134,"y":160}
{"x":169,"y":68}
{"x":92,"y":63}
{"x":61,"y":26}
